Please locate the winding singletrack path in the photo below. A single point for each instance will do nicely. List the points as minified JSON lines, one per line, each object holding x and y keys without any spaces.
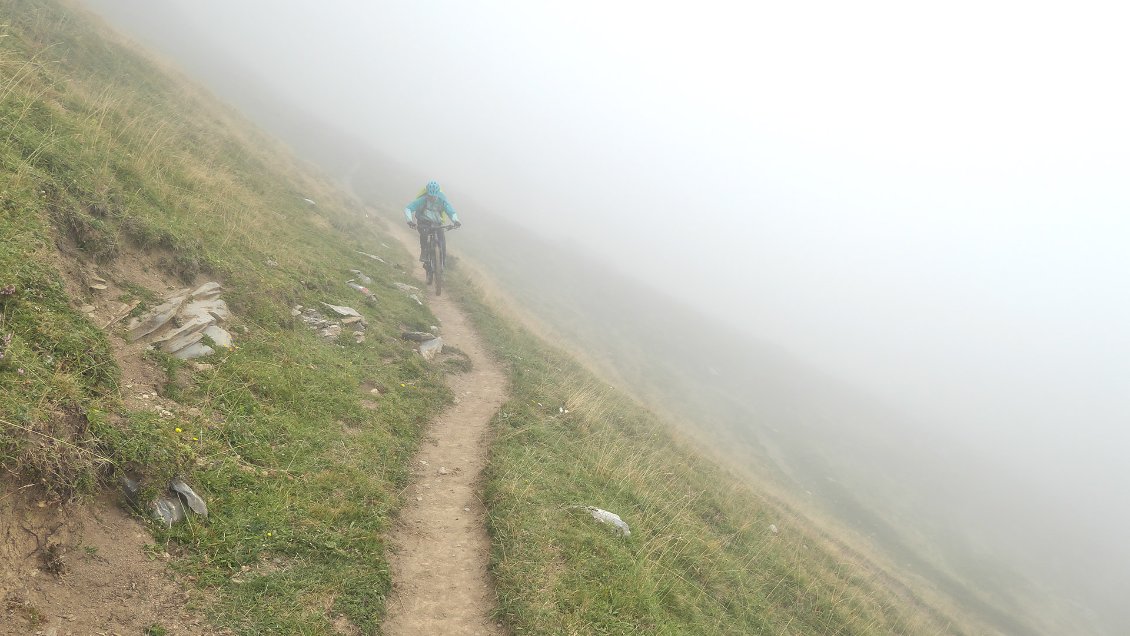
{"x":440,"y":549}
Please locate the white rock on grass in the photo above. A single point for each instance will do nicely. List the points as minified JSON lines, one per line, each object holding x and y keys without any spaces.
{"x":342,"y":311}
{"x":219,"y":335}
{"x":406,"y":288}
{"x":193,"y":351}
{"x":214,"y":307}
{"x":207,"y":291}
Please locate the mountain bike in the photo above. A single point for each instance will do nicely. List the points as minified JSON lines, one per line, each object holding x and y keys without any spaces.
{"x":435,"y":254}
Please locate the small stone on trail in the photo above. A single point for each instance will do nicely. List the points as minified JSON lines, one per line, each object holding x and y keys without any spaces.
{"x":773,"y":528}
{"x":442,"y":470}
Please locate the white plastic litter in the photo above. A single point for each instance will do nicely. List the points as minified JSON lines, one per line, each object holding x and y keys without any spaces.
{"x":610,"y":518}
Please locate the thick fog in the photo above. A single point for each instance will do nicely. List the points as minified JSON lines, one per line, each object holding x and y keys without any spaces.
{"x":929,"y":202}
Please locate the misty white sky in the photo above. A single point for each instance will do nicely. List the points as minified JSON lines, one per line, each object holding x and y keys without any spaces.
{"x":932,"y":201}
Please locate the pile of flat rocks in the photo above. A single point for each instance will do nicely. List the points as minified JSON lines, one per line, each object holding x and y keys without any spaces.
{"x":331,"y":326}
{"x":178,"y":325}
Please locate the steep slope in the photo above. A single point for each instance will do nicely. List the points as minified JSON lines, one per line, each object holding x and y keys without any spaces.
{"x":121,"y":183}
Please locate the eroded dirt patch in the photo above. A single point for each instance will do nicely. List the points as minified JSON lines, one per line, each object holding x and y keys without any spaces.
{"x":84,"y":568}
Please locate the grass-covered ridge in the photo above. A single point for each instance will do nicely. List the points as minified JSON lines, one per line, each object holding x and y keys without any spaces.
{"x":702,"y":557}
{"x":112,"y":167}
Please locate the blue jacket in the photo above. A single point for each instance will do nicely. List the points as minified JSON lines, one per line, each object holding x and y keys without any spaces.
{"x":433,"y":209}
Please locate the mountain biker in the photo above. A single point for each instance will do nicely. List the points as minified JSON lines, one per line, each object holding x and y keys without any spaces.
{"x":430,"y":208}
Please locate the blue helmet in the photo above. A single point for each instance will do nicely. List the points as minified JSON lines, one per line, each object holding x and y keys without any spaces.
{"x":433,"y":188}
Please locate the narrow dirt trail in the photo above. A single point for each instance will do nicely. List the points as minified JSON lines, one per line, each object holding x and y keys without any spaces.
{"x":440,"y":549}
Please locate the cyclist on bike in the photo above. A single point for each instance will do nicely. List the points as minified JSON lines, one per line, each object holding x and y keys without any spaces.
{"x":430,"y":209}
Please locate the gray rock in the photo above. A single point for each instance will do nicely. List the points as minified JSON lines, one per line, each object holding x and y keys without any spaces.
{"x":219,"y":335}
{"x":131,"y":488}
{"x":155,"y":319}
{"x":365,"y":280}
{"x":189,"y":333}
{"x":372,"y":256}
{"x":207,"y":291}
{"x":418,"y":336}
{"x":167,"y":509}
{"x":342,"y":311}
{"x":214,"y":307}
{"x":408,"y":289}
{"x":193,"y":351}
{"x":194,"y":501}
{"x":331,"y":332}
{"x":431,"y":348}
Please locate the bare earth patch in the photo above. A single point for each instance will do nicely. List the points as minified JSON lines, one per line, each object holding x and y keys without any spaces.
{"x":83,"y":569}
{"x":440,"y":548}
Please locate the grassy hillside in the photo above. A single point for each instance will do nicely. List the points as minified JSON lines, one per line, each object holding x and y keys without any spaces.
{"x":821,"y":444}
{"x":706,"y":554}
{"x":110,"y":167}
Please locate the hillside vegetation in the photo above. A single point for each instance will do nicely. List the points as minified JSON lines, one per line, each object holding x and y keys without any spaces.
{"x":110,"y":167}
{"x":706,"y":554}
{"x":113,"y":169}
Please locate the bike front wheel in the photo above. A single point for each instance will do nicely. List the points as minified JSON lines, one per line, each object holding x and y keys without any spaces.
{"x":437,"y":267}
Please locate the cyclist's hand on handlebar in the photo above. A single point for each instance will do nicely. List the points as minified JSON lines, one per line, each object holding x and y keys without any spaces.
{"x":412,"y":224}
{"x":458,"y":225}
